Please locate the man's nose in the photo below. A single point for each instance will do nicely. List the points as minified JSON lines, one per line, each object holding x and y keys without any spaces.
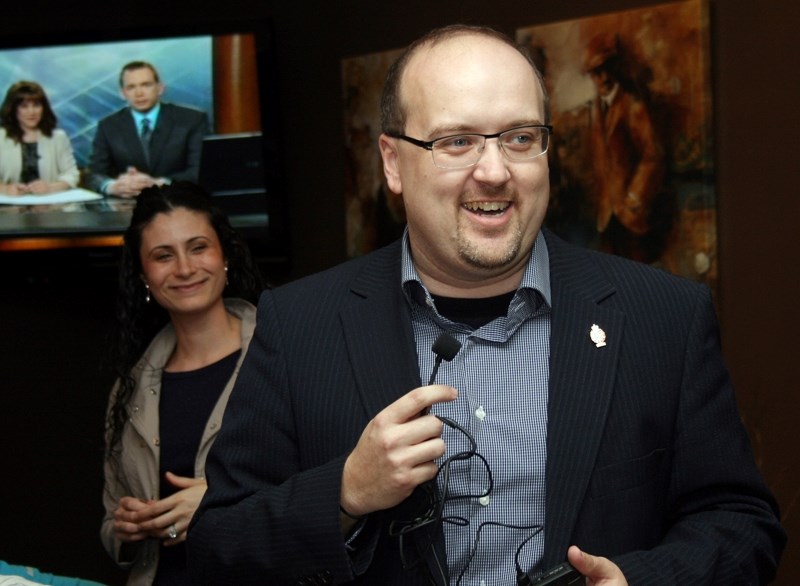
{"x":492,"y":167}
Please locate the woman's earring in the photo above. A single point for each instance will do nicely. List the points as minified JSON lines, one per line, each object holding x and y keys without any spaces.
{"x":226,"y":275}
{"x":147,"y":293}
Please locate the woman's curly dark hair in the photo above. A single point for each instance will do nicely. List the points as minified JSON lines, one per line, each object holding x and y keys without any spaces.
{"x":138,"y":321}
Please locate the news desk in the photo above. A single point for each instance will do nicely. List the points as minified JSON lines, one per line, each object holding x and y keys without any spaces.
{"x":80,"y":215}
{"x":78,"y":218}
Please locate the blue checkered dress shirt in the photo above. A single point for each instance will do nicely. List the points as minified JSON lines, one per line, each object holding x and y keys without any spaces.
{"x":501,"y":373}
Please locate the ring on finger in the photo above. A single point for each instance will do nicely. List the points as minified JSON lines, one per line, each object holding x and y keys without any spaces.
{"x":172,"y":531}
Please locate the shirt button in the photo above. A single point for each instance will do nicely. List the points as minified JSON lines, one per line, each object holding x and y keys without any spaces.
{"x":213,"y":426}
{"x":485,"y":500}
{"x":480,"y":413}
{"x":156,"y":442}
{"x":152,"y":391}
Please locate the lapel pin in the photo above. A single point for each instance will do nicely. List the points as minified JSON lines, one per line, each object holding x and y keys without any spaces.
{"x":597,"y":335}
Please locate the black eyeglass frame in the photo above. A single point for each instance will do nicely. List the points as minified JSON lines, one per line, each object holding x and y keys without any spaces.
{"x":429,"y":144}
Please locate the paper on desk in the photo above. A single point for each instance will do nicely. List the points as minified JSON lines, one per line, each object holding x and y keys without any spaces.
{"x":68,"y":196}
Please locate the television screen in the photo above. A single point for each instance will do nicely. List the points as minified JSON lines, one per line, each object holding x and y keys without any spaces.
{"x":226,"y":73}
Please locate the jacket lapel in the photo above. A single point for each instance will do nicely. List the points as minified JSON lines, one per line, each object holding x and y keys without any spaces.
{"x":582,"y":372}
{"x":377,"y":329}
{"x":380,"y":340}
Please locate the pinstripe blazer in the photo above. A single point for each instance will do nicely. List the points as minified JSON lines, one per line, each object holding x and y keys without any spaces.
{"x":648,"y":462}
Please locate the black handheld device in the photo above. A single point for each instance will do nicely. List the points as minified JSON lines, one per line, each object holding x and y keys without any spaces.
{"x":561,"y":575}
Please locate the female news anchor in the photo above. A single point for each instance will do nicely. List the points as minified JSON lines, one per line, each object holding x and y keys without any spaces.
{"x":178,"y":347}
{"x":35,"y":156}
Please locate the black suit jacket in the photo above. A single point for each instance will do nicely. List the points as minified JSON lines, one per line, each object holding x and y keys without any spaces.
{"x":647,"y":463}
{"x":175,"y":146}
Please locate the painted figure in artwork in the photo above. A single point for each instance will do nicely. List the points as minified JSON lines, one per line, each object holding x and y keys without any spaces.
{"x":627,"y":156}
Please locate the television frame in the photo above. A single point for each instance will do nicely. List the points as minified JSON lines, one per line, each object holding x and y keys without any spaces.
{"x":262,"y":219}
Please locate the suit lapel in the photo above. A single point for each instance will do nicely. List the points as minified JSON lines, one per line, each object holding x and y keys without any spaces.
{"x":380,"y":342}
{"x":377,"y":330}
{"x":581,"y":382}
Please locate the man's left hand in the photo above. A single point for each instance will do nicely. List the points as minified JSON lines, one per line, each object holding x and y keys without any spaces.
{"x":599,"y":571}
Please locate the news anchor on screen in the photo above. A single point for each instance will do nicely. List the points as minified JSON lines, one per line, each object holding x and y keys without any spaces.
{"x":35,"y":157}
{"x":147,"y":143}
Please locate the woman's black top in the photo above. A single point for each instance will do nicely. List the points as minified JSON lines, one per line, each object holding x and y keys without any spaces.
{"x":187,"y":400}
{"x":30,"y":162}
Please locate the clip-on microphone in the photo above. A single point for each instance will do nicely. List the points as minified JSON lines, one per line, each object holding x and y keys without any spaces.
{"x":445,"y":347}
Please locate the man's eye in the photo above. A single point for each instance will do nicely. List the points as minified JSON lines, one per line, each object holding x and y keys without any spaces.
{"x":521,"y":140}
{"x":453,"y":143}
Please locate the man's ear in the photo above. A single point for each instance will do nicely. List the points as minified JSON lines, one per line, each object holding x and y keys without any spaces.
{"x":391,"y":163}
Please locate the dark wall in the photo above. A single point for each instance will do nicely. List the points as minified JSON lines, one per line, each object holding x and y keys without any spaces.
{"x":53,"y":317}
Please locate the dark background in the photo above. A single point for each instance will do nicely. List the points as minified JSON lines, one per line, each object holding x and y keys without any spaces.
{"x":55,"y":314}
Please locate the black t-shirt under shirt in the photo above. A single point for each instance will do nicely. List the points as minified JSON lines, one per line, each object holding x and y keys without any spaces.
{"x":473,"y":312}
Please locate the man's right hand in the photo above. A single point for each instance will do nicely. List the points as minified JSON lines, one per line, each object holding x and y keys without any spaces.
{"x":396,"y":452}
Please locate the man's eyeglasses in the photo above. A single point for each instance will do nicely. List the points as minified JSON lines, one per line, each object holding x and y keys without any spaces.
{"x":464,"y":150}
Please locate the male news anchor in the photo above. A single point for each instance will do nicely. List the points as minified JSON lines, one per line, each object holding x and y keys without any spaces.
{"x":147,"y":143}
{"x":582,"y":412}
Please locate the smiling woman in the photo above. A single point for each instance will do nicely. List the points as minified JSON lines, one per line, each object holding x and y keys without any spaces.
{"x":185,"y":316}
{"x":183,"y":265}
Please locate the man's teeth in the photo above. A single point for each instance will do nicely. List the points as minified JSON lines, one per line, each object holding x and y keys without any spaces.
{"x":486,"y":206}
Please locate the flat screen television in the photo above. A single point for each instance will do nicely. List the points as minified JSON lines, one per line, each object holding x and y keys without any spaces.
{"x":226,"y":70}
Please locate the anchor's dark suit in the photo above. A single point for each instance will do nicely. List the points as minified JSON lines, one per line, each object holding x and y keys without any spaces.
{"x":647,"y":463}
{"x":175,"y":146}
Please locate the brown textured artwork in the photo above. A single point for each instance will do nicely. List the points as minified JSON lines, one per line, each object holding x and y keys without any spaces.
{"x":631,"y":158}
{"x":374,"y":215}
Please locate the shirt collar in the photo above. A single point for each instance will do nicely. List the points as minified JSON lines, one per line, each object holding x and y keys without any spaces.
{"x":536,"y":277}
{"x":608,"y":99}
{"x":152,"y":116}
